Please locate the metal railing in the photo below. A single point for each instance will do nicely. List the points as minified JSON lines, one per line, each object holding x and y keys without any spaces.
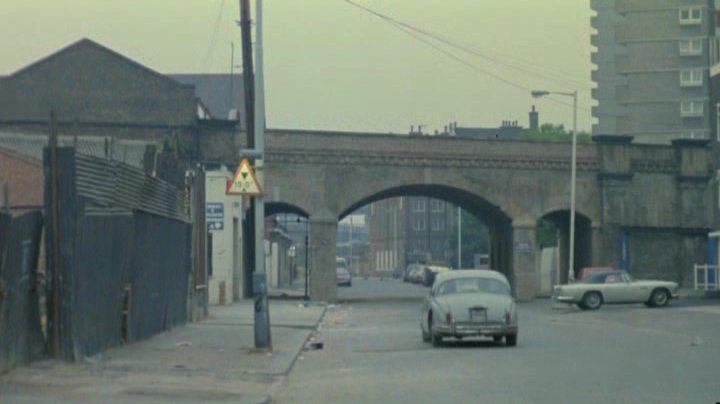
{"x":706,"y":277}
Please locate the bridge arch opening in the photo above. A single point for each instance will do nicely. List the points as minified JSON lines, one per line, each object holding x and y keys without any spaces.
{"x":553,"y":232}
{"x":287,"y":230}
{"x":418,"y":224}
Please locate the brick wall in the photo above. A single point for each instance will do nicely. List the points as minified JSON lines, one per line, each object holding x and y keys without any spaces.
{"x":24,"y":177}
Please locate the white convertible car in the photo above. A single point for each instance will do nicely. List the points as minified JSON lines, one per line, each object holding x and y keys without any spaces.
{"x":615,"y":287}
{"x":469,"y":303}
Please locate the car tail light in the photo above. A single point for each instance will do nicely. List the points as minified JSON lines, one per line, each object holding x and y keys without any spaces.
{"x":449,"y":318}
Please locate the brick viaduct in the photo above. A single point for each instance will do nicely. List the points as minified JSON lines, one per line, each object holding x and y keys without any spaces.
{"x":657,"y":197}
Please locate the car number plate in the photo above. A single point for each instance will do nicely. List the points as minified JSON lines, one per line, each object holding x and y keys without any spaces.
{"x":478,"y":315}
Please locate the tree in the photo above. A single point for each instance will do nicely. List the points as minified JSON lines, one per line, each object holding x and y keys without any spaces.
{"x":553,"y":133}
{"x":475,"y":239}
{"x":546,"y":234}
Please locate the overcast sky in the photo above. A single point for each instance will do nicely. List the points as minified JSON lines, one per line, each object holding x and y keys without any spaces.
{"x":330,"y":65}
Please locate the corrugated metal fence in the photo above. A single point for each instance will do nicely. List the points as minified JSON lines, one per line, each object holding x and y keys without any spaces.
{"x":124,"y":260}
{"x":21,"y":337}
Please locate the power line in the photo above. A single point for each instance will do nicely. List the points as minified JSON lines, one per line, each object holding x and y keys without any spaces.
{"x":211,"y":46}
{"x":413,"y":32}
{"x":553,"y":77}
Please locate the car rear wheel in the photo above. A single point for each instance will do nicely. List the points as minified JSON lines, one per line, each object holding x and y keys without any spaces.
{"x":497,"y":338}
{"x":435,"y":339}
{"x":591,"y":301}
{"x":511,"y":340}
{"x":659,"y":298}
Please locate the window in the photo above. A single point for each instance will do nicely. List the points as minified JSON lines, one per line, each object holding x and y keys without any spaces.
{"x":691,"y":78}
{"x":437,"y":206}
{"x":690,"y":15}
{"x":418,"y":205}
{"x":437,"y":223}
{"x":691,"y":108}
{"x":690,"y":47}
{"x":419,"y":224}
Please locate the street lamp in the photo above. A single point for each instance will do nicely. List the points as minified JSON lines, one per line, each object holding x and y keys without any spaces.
{"x":307,"y":272}
{"x":571,"y":258}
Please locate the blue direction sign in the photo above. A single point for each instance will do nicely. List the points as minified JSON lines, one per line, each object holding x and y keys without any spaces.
{"x":215,"y":215}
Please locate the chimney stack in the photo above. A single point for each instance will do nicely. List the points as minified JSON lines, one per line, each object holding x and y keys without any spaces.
{"x":534,"y":119}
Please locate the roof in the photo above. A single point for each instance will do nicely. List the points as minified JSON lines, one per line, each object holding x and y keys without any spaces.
{"x":88,"y":82}
{"x":131,"y":152}
{"x":215,"y":92}
{"x":470,"y":273}
{"x":503,"y":132}
{"x":87,"y":42}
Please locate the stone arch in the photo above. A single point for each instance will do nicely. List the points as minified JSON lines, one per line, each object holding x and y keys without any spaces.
{"x":583,"y":249}
{"x":274,"y":208}
{"x":505,"y":232}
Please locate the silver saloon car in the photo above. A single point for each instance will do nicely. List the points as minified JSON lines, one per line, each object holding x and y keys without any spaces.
{"x":470,"y":303}
{"x":615,"y":287}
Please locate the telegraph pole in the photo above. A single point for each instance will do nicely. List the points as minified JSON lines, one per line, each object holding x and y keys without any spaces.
{"x":255,"y":118}
{"x":249,"y":102}
{"x":262,"y":314}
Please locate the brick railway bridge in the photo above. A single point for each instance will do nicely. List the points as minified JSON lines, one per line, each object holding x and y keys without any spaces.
{"x":656,"y":198}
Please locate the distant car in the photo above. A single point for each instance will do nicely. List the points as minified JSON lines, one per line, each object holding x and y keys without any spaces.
{"x":610,"y":287}
{"x":418,"y":275}
{"x":407,"y":276}
{"x":585,"y":272}
{"x":470,"y":303}
{"x":431,"y":271}
{"x":343,"y":277}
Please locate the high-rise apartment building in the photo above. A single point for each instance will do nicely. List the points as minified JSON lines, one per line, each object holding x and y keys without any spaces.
{"x":652,"y":63}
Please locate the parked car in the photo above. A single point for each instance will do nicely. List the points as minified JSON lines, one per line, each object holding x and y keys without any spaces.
{"x":343,"y":277}
{"x":341,"y":263}
{"x":469,"y":303}
{"x":585,"y":272}
{"x":611,"y":287}
{"x":431,"y":271}
{"x":407,"y":276}
{"x":418,"y":275}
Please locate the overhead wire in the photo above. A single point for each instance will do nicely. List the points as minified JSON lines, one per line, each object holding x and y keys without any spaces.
{"x":563,"y":79}
{"x":213,"y":38}
{"x":413,"y":32}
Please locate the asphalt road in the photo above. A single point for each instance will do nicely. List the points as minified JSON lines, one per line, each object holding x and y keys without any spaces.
{"x":380,"y":289}
{"x":627,"y":354}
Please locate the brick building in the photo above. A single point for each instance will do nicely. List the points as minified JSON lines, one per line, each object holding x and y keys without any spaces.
{"x":21,"y":182}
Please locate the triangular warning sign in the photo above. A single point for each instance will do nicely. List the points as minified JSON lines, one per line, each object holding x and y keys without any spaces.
{"x":244,"y":182}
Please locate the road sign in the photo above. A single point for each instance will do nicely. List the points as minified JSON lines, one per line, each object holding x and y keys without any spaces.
{"x":244,"y":182}
{"x":215,"y":215}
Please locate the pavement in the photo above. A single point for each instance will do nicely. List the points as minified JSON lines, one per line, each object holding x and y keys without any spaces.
{"x":213,"y":360}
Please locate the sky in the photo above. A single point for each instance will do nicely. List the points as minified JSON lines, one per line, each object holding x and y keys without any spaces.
{"x":331,"y":65}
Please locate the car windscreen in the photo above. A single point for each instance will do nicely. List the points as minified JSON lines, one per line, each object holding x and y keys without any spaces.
{"x":473,"y":285}
{"x":598,"y":277}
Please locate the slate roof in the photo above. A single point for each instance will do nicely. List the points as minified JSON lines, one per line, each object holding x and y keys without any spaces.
{"x":214,"y":91}
{"x":503,"y":132}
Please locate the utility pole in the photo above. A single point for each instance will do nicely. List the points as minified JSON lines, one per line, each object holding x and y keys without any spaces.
{"x":231,"y":104}
{"x":249,"y":103}
{"x":255,"y":233}
{"x":459,"y":237}
{"x":262,"y":313}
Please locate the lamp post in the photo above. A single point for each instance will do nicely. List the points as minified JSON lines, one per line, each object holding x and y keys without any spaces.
{"x":307,"y":272}
{"x":573,"y":165}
